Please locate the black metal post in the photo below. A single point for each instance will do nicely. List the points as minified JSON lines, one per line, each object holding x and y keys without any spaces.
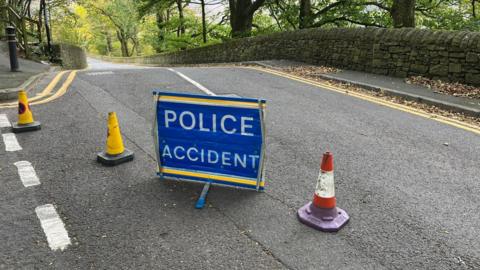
{"x":12,"y":47}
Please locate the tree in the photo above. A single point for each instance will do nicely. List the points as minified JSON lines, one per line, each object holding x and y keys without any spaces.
{"x":148,"y":26}
{"x":448,"y":14}
{"x":3,"y":17}
{"x":122,"y":14}
{"x":161,"y":10}
{"x":241,"y":16}
{"x":43,"y":12}
{"x":403,"y":13}
{"x":204,"y":21}
{"x":181,"y":18}
{"x":305,"y":15}
{"x":339,"y":13}
{"x":284,"y":13}
{"x":147,"y":6}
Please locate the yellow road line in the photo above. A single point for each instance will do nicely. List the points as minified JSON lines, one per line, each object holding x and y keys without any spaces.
{"x":435,"y":117}
{"x":60,"y":91}
{"x":44,"y":93}
{"x":63,"y":89}
{"x":50,"y":86}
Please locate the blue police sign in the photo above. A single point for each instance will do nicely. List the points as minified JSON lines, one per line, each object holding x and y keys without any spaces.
{"x":210,"y":139}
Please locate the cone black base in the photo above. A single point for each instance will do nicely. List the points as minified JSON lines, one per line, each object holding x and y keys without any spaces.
{"x":109,"y":160}
{"x":17,"y":128}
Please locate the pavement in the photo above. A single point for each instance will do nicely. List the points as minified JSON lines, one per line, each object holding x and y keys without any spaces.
{"x":10,"y":82}
{"x":409,"y":183}
{"x":391,"y":86}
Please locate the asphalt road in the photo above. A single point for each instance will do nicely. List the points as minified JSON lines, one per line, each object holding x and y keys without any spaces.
{"x":413,"y":200}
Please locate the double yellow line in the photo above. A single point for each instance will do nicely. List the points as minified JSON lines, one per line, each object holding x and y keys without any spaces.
{"x":46,"y":95}
{"x":327,"y":86}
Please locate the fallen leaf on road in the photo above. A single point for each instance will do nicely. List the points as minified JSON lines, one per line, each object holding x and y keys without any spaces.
{"x":449,"y":88}
{"x":467,"y":90}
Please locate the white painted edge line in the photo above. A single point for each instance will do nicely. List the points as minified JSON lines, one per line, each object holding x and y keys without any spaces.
{"x":52,"y":225}
{"x":4,"y":121}
{"x":199,"y":86}
{"x":27,"y":173}
{"x":11,"y":143}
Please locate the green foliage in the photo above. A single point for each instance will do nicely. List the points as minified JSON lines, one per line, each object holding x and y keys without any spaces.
{"x":69,"y":25}
{"x":449,"y":14}
{"x":91,"y":24}
{"x":263,"y":24}
{"x":117,"y":27}
{"x":285,"y":13}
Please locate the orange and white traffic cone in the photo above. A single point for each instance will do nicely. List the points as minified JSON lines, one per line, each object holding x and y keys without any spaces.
{"x":322,"y":213}
{"x":25,"y":116}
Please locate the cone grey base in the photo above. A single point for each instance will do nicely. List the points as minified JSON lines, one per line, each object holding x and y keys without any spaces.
{"x":109,"y":160}
{"x":16,"y":128}
{"x":327,"y":220}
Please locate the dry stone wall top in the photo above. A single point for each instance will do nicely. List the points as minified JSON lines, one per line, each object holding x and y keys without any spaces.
{"x":446,"y":55}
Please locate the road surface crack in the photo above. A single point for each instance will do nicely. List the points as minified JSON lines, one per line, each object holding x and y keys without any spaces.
{"x":264,"y":248}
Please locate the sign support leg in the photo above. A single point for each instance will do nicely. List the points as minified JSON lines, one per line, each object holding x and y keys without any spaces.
{"x":203,"y":196}
{"x":155,"y":135}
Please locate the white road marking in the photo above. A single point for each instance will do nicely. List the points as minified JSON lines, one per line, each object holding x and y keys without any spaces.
{"x":52,"y":225}
{"x":4,"y":121}
{"x":27,"y":173}
{"x":100,"y":73}
{"x":199,"y":86}
{"x":11,"y":143}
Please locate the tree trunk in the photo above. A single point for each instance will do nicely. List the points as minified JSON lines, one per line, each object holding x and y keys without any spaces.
{"x":240,"y":19}
{"x":305,"y":17}
{"x":136,"y":47}
{"x":204,"y":22}
{"x":3,"y":18}
{"x":109,"y":43}
{"x":47,"y":27}
{"x":123,"y":43}
{"x":40,"y":25}
{"x":474,"y":11}
{"x":181,"y":26}
{"x":160,"y":20}
{"x":242,"y":27}
{"x":403,"y":13}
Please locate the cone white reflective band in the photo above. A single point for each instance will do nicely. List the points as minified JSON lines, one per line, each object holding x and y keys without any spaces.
{"x":325,"y":185}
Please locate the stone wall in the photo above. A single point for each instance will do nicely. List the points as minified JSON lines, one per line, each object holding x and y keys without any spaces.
{"x":446,"y":55}
{"x":70,"y":56}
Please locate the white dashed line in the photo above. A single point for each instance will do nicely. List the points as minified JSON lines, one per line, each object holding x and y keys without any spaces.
{"x":4,"y":121}
{"x":11,"y":143}
{"x":27,"y":173}
{"x":199,"y":86}
{"x":57,"y":235}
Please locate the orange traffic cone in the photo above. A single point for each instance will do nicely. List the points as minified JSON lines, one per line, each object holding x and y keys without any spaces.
{"x":322,"y":213}
{"x":115,"y":153}
{"x":25,"y":116}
